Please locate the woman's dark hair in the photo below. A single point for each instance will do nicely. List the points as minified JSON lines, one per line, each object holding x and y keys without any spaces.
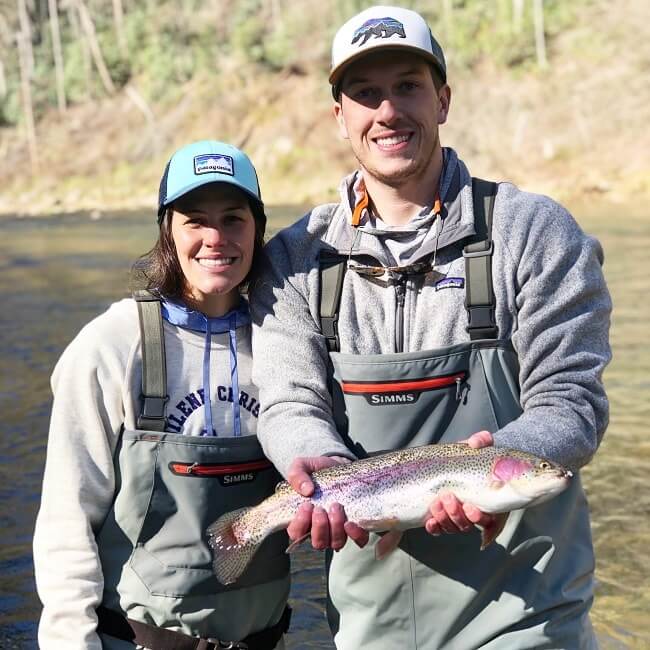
{"x":159,"y":270}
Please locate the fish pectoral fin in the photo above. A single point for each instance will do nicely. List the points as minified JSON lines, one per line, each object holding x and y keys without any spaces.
{"x":378,"y":525}
{"x":490,"y":533}
{"x":296,"y":543}
{"x":387,"y":544}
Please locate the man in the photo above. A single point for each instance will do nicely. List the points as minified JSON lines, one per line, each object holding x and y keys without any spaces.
{"x":425,"y":307}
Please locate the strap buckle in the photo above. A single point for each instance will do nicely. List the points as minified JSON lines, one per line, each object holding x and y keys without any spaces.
{"x":153,"y":411}
{"x":481,"y":322}
{"x":153,"y":407}
{"x":482,"y":253}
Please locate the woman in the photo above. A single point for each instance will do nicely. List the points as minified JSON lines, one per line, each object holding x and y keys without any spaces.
{"x":152,"y":437}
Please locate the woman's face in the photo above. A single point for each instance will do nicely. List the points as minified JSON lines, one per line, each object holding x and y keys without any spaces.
{"x":213,"y":230}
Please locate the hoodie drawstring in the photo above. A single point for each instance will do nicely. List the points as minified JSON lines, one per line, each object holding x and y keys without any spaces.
{"x":209,"y":429}
{"x":178,"y":314}
{"x":234,"y":377}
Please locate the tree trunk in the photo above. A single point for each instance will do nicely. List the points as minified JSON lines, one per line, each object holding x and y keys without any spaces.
{"x":540,"y":39}
{"x":26,"y":95}
{"x":448,"y":20}
{"x":73,"y":17}
{"x":118,"y":20}
{"x":517,"y":15}
{"x":58,"y":56}
{"x":26,"y":35}
{"x":3,"y":81}
{"x":88,"y":28}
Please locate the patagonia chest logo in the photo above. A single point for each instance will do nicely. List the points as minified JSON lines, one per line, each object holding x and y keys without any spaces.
{"x":391,"y":393}
{"x":227,"y":475}
{"x":210,"y":162}
{"x":379,"y":28}
{"x":450,"y":283}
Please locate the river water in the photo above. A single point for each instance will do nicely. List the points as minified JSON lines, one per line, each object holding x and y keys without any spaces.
{"x":56,"y":273}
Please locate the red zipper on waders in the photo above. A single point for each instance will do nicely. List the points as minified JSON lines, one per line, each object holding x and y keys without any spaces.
{"x":428,"y":383}
{"x":217,"y":469}
{"x":415,"y":386}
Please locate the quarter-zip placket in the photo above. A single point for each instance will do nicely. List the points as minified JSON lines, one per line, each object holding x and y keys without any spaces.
{"x":400,"y":294}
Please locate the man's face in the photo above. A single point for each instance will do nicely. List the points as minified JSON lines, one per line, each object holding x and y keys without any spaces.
{"x":389,"y":110}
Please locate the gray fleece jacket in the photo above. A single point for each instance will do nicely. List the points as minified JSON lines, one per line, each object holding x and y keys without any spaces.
{"x":551,"y":301}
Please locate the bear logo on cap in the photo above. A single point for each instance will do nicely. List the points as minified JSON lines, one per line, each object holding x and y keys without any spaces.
{"x":379,"y":28}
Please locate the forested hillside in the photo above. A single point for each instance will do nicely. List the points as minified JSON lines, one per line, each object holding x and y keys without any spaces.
{"x":95,"y":95}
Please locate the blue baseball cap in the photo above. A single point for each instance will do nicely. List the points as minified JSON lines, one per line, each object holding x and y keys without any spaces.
{"x":208,"y":161}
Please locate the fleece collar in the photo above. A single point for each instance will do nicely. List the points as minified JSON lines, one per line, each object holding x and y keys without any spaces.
{"x":457,"y":213}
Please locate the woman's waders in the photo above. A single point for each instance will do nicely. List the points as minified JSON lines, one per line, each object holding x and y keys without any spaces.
{"x":153,"y":547}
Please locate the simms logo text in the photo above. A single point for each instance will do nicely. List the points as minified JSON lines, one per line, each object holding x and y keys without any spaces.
{"x":234,"y":479}
{"x":381,"y":399}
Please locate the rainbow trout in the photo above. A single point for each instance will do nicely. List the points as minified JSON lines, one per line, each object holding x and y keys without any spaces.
{"x":392,"y":492}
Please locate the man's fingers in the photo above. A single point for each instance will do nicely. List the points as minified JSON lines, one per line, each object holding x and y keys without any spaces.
{"x":337,"y":526}
{"x":454,"y":509}
{"x":449,"y":516}
{"x":301,"y":523}
{"x":299,"y":478}
{"x":301,"y":469}
{"x":439,"y":514}
{"x":320,"y":529}
{"x":480,"y":439}
{"x":478,"y":517}
{"x":357,"y":534}
{"x":431,"y":526}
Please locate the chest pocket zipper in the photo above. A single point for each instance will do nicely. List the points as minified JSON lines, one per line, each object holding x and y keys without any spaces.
{"x":217,"y":469}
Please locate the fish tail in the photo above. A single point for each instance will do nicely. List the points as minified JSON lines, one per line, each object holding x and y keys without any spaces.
{"x":231,"y":553}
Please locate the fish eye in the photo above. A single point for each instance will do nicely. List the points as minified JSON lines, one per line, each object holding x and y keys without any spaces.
{"x":545,"y":465}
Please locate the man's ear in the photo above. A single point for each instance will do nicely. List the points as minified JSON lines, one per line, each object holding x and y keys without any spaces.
{"x":338,"y":115}
{"x":444,"y":101}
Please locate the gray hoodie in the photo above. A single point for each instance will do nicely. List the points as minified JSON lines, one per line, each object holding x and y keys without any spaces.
{"x":551,"y":298}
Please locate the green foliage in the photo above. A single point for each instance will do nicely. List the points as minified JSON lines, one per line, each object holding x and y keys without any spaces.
{"x":171,"y":41}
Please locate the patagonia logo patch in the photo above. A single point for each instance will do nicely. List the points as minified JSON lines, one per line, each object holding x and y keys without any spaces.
{"x":450,"y":283}
{"x":379,"y":28}
{"x":210,"y":162}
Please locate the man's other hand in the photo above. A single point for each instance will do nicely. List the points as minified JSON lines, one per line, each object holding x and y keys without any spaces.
{"x":329,"y":529}
{"x":448,"y":514}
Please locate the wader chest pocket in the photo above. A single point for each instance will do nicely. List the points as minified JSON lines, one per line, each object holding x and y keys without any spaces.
{"x":226,"y":474}
{"x":403,"y":391}
{"x":193,"y":484}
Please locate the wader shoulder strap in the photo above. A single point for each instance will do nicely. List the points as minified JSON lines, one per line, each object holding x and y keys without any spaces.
{"x":332,"y":270}
{"x":154,"y":370}
{"x":479,"y":294}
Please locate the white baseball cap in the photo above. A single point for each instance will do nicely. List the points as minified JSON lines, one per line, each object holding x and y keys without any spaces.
{"x":386,"y":27}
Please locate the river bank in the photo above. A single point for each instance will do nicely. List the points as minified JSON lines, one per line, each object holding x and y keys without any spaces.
{"x":576,"y":129}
